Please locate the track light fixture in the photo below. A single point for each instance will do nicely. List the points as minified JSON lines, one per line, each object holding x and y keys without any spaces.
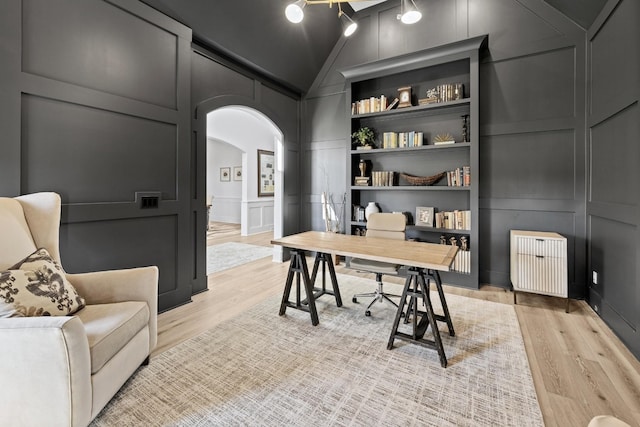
{"x":294,"y":13}
{"x":409,"y":13}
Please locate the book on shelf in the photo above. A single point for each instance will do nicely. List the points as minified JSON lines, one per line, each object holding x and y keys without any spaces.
{"x":454,"y":220}
{"x":362,"y":181}
{"x":402,"y":139}
{"x":459,"y":177}
{"x":369,"y":105}
{"x":462,"y":260}
{"x":383,"y":178}
{"x":393,"y":104}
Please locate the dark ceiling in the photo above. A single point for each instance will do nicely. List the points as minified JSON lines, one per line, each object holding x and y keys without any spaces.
{"x":256,"y":33}
{"x":582,"y":12}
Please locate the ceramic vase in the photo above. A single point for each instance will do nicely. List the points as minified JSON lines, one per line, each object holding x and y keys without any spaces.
{"x":371,"y":208}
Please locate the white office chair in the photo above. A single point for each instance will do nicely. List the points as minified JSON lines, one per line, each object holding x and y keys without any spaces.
{"x":386,"y":226}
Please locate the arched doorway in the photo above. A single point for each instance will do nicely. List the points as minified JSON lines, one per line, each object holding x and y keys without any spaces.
{"x":249,"y":131}
{"x":282,"y":153}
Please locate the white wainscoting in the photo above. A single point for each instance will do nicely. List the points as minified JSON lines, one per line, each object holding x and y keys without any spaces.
{"x":257,"y":217}
{"x":226,"y":209}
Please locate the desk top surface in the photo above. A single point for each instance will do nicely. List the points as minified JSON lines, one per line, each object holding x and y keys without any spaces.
{"x":413,"y":254}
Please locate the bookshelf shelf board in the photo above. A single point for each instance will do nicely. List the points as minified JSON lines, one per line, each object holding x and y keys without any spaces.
{"x":420,"y":228}
{"x":411,"y":188}
{"x":416,"y":108}
{"x":437,"y":230}
{"x":457,"y":145}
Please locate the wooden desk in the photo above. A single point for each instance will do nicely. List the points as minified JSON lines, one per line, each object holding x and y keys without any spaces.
{"x":424,"y":260}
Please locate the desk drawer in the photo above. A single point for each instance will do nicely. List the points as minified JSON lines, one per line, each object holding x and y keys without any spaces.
{"x":542,"y":275}
{"x":541,"y":247}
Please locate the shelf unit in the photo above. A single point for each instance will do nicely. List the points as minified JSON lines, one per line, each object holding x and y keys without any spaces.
{"x":453,"y":63}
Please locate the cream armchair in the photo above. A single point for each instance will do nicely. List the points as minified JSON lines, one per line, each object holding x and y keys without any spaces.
{"x":62,"y":370}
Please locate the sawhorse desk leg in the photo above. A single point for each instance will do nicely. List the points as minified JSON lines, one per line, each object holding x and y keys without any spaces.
{"x":417,"y":286}
{"x":297,"y":268}
{"x":327,"y":262}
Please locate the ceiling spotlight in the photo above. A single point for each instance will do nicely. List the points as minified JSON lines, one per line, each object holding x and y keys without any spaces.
{"x":294,"y":11}
{"x":348,"y":25}
{"x":409,"y":13}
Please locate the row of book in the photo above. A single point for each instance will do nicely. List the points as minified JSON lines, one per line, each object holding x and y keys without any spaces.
{"x":460,"y":177}
{"x":453,"y":220}
{"x":373,"y":105}
{"x":402,"y":139}
{"x":383,"y":178}
{"x":443,"y":93}
{"x":462,"y":262}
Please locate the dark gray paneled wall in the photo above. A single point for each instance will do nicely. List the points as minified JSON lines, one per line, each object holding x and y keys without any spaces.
{"x":532,"y":153}
{"x":95,"y":106}
{"x":216,"y":83}
{"x":614,"y":156}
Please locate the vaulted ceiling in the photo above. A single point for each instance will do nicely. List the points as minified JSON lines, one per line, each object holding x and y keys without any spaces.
{"x":257,"y":34}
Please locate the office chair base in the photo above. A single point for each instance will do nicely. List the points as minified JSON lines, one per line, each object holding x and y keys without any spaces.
{"x":379,"y":295}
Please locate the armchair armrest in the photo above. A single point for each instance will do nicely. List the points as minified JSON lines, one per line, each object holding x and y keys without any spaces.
{"x":48,"y":371}
{"x":134,"y":284}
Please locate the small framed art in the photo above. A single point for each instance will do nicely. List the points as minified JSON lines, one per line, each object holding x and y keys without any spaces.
{"x":424,"y":216}
{"x":266,"y":173}
{"x":225,"y":174}
{"x":237,"y":173}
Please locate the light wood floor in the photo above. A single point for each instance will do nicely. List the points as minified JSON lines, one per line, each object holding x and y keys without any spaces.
{"x":580,"y":368}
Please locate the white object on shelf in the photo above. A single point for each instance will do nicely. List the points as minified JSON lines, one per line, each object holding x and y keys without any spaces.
{"x":539,"y":263}
{"x":371,"y":208}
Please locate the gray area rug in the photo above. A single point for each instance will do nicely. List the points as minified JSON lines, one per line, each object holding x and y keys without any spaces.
{"x":228,"y":255}
{"x":260,"y":369}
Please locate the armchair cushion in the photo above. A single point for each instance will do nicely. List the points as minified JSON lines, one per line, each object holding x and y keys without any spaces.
{"x":36,"y":286}
{"x":109,"y":327}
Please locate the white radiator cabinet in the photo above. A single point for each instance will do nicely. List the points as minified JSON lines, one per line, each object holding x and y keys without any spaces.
{"x":539,"y":263}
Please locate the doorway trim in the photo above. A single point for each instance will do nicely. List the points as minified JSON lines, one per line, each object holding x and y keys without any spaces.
{"x":198,"y":178}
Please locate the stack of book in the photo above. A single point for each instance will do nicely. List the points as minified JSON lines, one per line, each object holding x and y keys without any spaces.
{"x":383,"y":178}
{"x":362,"y":181}
{"x":453,"y":220}
{"x":402,"y":139}
{"x":460,"y":177}
{"x":369,"y":105}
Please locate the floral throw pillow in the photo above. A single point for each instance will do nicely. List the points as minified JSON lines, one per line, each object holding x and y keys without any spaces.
{"x":37,"y":286}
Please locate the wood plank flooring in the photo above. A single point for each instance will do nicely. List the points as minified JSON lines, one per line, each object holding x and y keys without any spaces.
{"x":580,"y":368}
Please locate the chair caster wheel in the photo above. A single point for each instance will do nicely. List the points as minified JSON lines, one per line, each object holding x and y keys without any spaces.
{"x":367,"y":313}
{"x":354,"y":300}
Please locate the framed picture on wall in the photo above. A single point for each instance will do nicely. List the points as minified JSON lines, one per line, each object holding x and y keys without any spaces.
{"x":424,"y":216}
{"x":266,"y":173}
{"x":237,"y":173}
{"x":225,"y":174}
